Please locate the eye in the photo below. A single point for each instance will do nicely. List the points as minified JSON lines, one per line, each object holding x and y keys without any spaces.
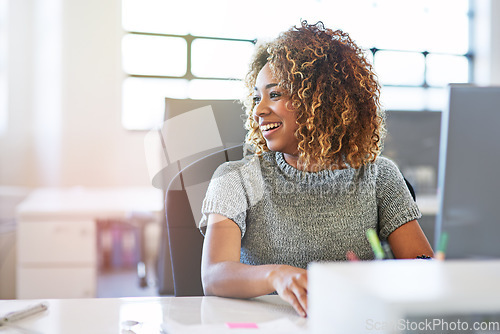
{"x":256,"y":99}
{"x":274,"y":95}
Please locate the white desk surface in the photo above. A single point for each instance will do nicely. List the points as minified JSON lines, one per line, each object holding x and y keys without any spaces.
{"x":179,"y":314}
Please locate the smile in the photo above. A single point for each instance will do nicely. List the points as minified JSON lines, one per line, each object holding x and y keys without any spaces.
{"x":269,"y":126}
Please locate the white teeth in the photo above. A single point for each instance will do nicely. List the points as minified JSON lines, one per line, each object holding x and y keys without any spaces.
{"x":269,"y":126}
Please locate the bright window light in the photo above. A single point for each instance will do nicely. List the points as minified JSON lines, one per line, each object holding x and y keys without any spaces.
{"x":416,"y":47}
{"x":156,"y":16}
{"x":153,"y":55}
{"x":220,"y":59}
{"x":144,"y":100}
{"x":400,"y":68}
{"x":437,"y":99}
{"x":216,"y":89}
{"x":403,"y":98}
{"x":445,"y":69}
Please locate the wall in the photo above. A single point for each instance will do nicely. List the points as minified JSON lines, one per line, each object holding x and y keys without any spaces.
{"x":16,"y":149}
{"x":65,"y":98}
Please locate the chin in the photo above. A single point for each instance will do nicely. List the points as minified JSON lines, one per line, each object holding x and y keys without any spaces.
{"x":274,"y":148}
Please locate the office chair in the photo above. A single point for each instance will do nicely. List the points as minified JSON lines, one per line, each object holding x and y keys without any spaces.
{"x":183,"y":200}
{"x":230,"y":127}
{"x":410,"y":188}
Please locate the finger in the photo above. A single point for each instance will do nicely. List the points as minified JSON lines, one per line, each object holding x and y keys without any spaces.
{"x":290,"y":297}
{"x":299,"y":288}
{"x":300,"y":295}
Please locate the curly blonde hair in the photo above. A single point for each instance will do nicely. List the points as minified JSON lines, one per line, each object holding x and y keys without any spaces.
{"x":333,"y":90}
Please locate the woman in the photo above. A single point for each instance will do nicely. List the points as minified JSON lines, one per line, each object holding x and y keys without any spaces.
{"x":315,"y":183}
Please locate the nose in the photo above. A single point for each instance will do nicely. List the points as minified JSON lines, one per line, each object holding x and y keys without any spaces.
{"x":260,"y":110}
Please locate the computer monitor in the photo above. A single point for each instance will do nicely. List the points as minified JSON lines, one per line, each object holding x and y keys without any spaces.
{"x":468,"y":175}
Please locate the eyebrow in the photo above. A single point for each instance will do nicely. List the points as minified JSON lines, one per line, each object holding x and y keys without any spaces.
{"x":268,"y":86}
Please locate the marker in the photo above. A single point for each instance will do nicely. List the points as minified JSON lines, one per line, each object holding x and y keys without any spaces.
{"x":375,"y":243}
{"x":18,"y":315}
{"x":387,"y":250}
{"x":443,"y":242}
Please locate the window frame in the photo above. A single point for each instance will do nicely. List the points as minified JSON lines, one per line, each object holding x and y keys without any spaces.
{"x":189,"y":76}
{"x":189,"y":42}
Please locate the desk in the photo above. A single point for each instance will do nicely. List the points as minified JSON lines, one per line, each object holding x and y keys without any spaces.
{"x":96,"y":316}
{"x":56,"y":236}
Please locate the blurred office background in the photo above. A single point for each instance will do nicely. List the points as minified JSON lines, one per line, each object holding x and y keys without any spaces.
{"x":81,"y":83}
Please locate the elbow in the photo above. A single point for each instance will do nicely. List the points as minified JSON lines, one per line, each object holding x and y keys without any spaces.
{"x":207,"y":287}
{"x":211,"y":287}
{"x":208,"y":281}
{"x":214,"y":280}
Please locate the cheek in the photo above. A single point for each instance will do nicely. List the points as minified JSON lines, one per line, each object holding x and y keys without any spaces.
{"x":289,"y":112}
{"x":291,"y":119}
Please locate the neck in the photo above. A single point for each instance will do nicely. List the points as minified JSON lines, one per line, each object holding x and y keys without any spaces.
{"x":293,"y":160}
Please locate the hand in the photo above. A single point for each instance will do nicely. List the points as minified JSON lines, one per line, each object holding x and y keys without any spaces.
{"x":291,"y":285}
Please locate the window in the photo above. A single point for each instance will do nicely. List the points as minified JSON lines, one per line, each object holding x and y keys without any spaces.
{"x":3,"y":66}
{"x":201,"y":49}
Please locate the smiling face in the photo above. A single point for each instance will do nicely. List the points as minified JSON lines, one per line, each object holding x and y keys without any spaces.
{"x":276,"y":121}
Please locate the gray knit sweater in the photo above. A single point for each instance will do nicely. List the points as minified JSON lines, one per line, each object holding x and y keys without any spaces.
{"x":290,"y":217}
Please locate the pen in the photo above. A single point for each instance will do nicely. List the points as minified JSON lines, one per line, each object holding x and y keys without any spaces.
{"x":24,"y":313}
{"x":443,"y":242}
{"x":375,"y":243}
{"x":351,"y":256}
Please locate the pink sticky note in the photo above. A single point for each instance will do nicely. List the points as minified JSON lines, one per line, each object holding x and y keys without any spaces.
{"x":248,"y":325}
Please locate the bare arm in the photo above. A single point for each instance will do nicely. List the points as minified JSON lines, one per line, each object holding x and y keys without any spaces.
{"x":408,"y":241}
{"x":224,"y":275}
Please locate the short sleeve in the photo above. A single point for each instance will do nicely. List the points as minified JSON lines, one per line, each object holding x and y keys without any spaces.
{"x":225,"y":196}
{"x":395,"y":204}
